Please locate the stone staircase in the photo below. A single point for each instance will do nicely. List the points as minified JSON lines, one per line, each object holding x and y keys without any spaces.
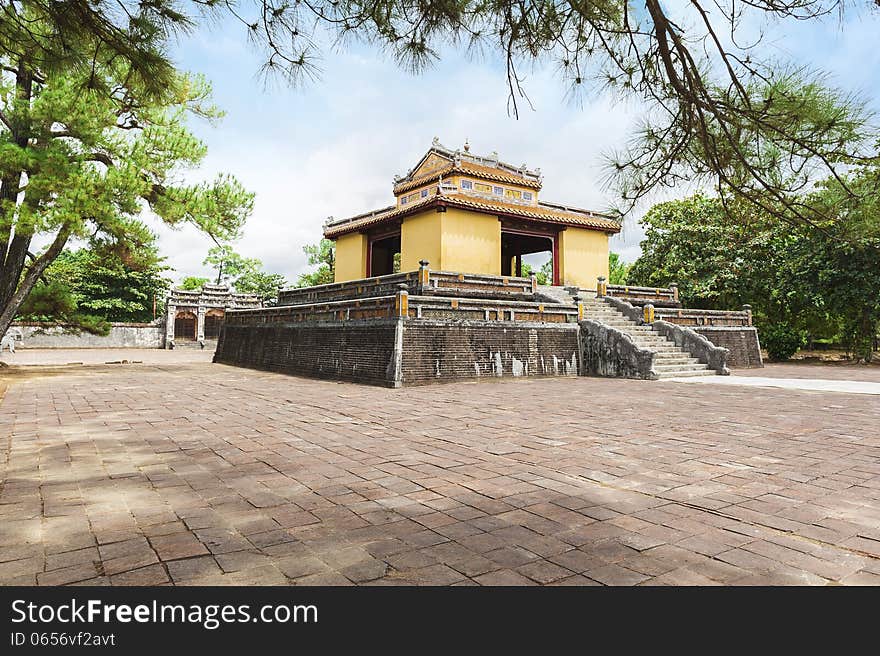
{"x":670,"y":360}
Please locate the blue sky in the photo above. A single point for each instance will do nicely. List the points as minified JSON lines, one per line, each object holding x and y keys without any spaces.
{"x":332,"y":146}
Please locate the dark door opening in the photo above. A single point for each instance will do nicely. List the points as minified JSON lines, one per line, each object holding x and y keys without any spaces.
{"x":185,"y":326}
{"x":384,"y":255}
{"x":523,"y":251}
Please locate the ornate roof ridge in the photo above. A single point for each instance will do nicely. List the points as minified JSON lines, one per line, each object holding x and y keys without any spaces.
{"x":458,"y":157}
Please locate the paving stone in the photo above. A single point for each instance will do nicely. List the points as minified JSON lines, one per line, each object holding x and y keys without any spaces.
{"x":150,"y":575}
{"x":503,"y":577}
{"x":177,"y":545}
{"x":615,"y":575}
{"x":296,"y":567}
{"x":544,"y":572}
{"x":192,"y":569}
{"x":702,"y":485}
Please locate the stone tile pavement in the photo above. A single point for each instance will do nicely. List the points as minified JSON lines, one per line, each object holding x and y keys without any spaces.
{"x":828,"y":371}
{"x":89,"y":356}
{"x":200,"y":473}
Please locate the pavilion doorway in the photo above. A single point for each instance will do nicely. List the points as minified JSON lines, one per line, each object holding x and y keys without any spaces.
{"x":533,"y":249}
{"x":383,"y":256}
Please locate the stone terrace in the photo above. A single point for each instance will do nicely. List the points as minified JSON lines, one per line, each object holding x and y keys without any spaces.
{"x":200,"y":473}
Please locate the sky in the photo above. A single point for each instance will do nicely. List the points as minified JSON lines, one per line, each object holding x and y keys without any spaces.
{"x":332,"y":146}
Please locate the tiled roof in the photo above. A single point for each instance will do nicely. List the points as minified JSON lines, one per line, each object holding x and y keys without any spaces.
{"x":539,"y":212}
{"x":468,"y":168}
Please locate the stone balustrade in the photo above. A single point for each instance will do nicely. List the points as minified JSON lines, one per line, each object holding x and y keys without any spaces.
{"x":422,"y":282}
{"x":694,"y":317}
{"x":409,"y":306}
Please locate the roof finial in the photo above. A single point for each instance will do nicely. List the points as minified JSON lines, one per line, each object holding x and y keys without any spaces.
{"x":467,"y":145}
{"x":436,"y":141}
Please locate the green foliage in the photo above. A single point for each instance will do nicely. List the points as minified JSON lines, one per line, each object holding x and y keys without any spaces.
{"x":822,"y":282}
{"x":781,"y":340}
{"x":245,"y":274}
{"x":322,"y":255}
{"x":105,"y":286}
{"x":91,"y":324}
{"x":83,"y":152}
{"x":255,"y":281}
{"x":193,"y":283}
{"x":618,"y":270}
{"x":544,"y":275}
{"x":718,"y":110}
{"x":51,"y":301}
{"x":54,"y":303}
{"x":90,"y":286}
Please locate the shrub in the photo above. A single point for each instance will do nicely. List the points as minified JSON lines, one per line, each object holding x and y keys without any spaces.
{"x":782,"y":341}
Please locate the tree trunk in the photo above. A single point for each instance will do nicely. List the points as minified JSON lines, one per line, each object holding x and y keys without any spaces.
{"x":10,"y":308}
{"x":14,"y":243}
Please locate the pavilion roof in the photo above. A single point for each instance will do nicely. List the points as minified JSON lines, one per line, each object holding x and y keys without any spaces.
{"x":543,"y":212}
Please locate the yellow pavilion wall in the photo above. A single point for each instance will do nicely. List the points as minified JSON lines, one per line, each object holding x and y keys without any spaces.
{"x":583,"y":256}
{"x":420,"y":240}
{"x":471,"y":242}
{"x":351,"y":257}
{"x":454,"y":240}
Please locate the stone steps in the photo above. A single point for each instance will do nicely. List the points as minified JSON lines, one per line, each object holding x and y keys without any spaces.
{"x":661,"y":368}
{"x":686,"y":374}
{"x":670,"y":361}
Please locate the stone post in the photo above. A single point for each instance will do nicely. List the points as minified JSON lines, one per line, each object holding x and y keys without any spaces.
{"x":534,"y":279}
{"x":748,"y":310}
{"x":424,"y":275}
{"x":648,"y":311}
{"x":674,"y":288}
{"x":401,"y":301}
{"x":170,"y":313}
{"x":200,"y":324}
{"x":580,"y":306}
{"x":601,"y":287}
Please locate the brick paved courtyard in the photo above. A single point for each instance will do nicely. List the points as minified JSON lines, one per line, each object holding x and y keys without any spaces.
{"x":206,"y":474}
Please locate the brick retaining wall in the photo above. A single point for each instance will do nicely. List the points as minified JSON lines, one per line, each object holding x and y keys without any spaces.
{"x":741,"y":341}
{"x":359,"y":351}
{"x":437,"y":351}
{"x":402,"y":352}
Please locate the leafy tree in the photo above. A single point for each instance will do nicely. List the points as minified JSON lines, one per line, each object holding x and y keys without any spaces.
{"x":53,"y":302}
{"x":544,"y":275}
{"x":245,"y":274}
{"x":322,"y":255}
{"x":262,"y":284}
{"x":192,"y":283}
{"x":104,"y":286}
{"x":717,"y":261}
{"x":821,"y":280}
{"x":84,"y":152}
{"x":225,"y":261}
{"x":617,"y":269}
{"x":719,"y":110}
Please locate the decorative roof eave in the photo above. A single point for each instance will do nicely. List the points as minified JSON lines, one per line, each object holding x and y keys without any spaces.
{"x":594,"y":221}
{"x":466,"y":168}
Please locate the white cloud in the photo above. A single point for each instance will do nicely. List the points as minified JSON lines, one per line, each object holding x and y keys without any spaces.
{"x":333,"y":146}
